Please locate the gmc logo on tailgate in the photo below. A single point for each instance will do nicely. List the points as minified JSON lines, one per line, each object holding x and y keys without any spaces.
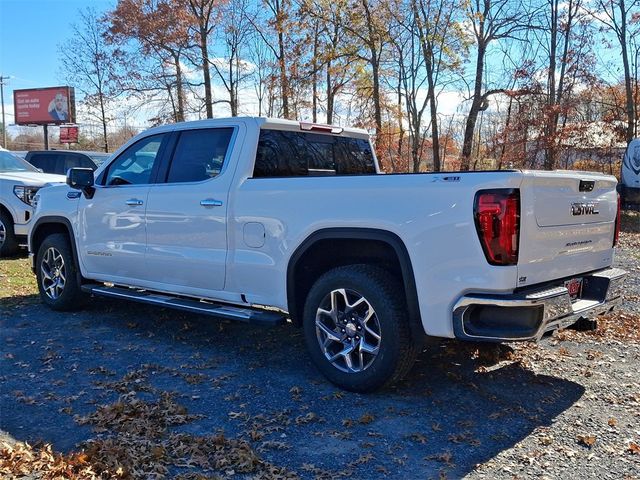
{"x":584,"y":209}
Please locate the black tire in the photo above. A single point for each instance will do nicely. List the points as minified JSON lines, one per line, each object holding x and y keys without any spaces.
{"x":381,"y":291}
{"x":69,"y":296}
{"x":8,"y":242}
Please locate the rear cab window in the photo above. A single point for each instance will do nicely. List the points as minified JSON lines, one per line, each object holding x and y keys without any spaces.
{"x":283,"y":153}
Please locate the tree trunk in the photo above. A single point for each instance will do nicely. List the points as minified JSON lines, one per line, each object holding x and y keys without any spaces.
{"x":179,"y":89}
{"x":375,"y":68}
{"x":314,"y":79}
{"x":330,"y":95}
{"x":103,"y":117}
{"x":208,"y":99}
{"x":505,"y":135}
{"x":435,"y":137}
{"x":627,"y":72}
{"x":550,"y":133}
{"x":400,"y":125}
{"x":284,"y":82}
{"x":476,"y":104}
{"x":233,"y":101}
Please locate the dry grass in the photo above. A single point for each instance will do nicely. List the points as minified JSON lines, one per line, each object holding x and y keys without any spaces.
{"x":17,"y":283}
{"x":16,"y":278}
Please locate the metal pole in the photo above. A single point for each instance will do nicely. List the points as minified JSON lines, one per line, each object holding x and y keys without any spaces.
{"x":4,"y":124}
{"x":46,"y":137}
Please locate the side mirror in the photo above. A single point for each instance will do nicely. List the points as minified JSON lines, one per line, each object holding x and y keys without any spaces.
{"x":81,"y":179}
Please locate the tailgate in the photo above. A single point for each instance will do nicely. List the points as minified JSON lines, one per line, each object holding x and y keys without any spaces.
{"x":567,"y":224}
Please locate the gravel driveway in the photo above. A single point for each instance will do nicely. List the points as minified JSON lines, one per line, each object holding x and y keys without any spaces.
{"x":127,"y":391}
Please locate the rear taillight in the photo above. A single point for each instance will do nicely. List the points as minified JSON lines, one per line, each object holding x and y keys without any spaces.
{"x":616,"y":233}
{"x":497,"y":215}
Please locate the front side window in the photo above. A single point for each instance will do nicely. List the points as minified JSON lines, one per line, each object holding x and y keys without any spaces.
{"x":199,"y":154}
{"x":134,"y":165}
{"x":283,"y":153}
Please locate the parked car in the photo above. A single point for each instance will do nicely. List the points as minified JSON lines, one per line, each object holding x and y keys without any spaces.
{"x":19,"y":182}
{"x":263,"y":220}
{"x":60,"y":161}
{"x":629,"y":186}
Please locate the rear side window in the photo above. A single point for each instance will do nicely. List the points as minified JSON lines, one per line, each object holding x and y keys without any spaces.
{"x":297,"y":154}
{"x":44,"y":161}
{"x":199,"y":154}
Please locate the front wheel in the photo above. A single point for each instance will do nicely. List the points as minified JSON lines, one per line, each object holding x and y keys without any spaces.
{"x":356,"y":328}
{"x":57,"y":274}
{"x":8,"y":241}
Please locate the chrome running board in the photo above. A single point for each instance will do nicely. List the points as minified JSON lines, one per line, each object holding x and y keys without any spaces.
{"x":230,"y":312}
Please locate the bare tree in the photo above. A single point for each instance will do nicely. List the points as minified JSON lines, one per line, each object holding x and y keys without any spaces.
{"x":333,"y":52}
{"x":263,"y":73}
{"x":568,"y":48}
{"x":441,"y":47}
{"x":616,"y":15}
{"x":491,"y":21}
{"x":204,"y":14}
{"x":234,"y":34}
{"x":87,"y":64}
{"x":278,"y":24}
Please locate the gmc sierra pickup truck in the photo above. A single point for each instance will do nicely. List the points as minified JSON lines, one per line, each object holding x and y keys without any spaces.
{"x":264,"y":221}
{"x":19,"y":182}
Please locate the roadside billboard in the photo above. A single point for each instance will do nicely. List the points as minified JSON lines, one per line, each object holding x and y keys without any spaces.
{"x":69,"y":134}
{"x":44,"y":106}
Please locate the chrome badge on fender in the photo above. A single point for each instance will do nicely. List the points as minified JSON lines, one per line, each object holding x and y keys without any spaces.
{"x":580,"y":208}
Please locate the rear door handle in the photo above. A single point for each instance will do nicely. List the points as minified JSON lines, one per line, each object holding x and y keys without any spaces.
{"x":134,"y":202}
{"x":210,"y":202}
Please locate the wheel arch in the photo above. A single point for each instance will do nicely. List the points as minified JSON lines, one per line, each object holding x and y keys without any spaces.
{"x":45,"y":226}
{"x":350,"y":246}
{"x":8,"y":211}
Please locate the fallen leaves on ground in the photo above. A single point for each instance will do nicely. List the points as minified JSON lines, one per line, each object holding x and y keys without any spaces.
{"x":22,"y":460}
{"x":135,"y":442}
{"x":617,"y":325}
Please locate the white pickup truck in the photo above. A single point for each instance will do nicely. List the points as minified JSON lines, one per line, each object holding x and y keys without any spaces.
{"x":19,"y":182}
{"x":263,"y":220}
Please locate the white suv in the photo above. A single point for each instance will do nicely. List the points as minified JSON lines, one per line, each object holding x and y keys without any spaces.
{"x":19,"y":181}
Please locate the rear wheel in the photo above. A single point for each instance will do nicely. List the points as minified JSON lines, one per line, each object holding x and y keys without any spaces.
{"x":57,"y":273}
{"x":356,"y":328}
{"x":8,"y":241}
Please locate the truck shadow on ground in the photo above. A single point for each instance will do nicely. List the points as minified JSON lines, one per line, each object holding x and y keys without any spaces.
{"x":454,"y":411}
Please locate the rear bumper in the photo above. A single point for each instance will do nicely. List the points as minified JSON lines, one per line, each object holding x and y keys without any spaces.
{"x":527,"y":315}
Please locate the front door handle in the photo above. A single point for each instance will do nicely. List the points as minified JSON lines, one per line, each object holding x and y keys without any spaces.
{"x":134,"y":202}
{"x":210,"y":202}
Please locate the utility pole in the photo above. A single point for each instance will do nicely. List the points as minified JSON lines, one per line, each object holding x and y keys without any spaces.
{"x":4,"y":124}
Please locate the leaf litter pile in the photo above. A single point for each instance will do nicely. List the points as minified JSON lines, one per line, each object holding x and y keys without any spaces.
{"x":135,"y":441}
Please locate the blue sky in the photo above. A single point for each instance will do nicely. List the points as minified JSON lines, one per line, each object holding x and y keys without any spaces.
{"x":30,"y":33}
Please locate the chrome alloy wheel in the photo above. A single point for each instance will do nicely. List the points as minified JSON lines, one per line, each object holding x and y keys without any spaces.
{"x":53,"y":272}
{"x":348,"y":330}
{"x":3,"y":233}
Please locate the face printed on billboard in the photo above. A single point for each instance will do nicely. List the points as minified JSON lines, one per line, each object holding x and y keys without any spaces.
{"x":58,"y":108}
{"x":41,"y":106}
